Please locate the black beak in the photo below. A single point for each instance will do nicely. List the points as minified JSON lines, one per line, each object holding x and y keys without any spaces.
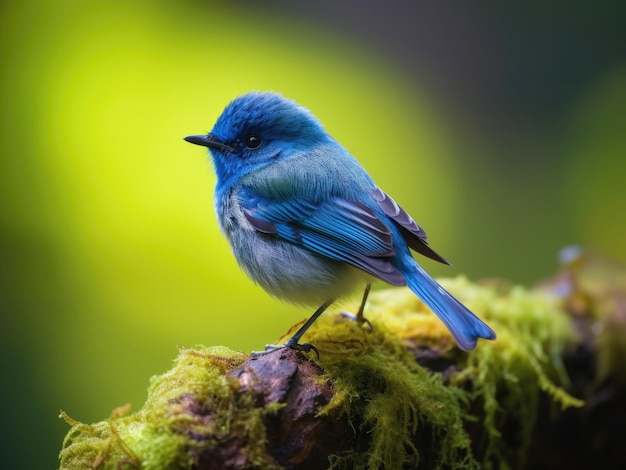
{"x":208,"y":140}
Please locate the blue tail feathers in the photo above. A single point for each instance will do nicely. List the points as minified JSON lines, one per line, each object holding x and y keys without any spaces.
{"x":464,"y":326}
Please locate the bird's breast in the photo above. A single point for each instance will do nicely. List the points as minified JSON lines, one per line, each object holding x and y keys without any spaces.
{"x":285,"y":270}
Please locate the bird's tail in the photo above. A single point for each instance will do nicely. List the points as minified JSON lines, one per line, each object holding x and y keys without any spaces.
{"x":464,"y":326}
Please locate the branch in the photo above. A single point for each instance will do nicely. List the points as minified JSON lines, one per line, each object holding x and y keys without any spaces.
{"x":399,"y":396}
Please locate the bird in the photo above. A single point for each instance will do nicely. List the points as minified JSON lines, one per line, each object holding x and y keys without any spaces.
{"x":307,"y":223}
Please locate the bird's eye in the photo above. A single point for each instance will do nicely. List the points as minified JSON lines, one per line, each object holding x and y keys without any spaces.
{"x":253,"y":141}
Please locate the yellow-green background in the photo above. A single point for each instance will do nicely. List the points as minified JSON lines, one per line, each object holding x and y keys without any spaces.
{"x":110,"y":252}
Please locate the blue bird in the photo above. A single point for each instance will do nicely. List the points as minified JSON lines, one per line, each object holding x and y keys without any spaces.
{"x":307,"y":223}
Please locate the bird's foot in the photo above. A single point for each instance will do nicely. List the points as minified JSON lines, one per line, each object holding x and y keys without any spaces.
{"x":359,"y":318}
{"x":304,"y":347}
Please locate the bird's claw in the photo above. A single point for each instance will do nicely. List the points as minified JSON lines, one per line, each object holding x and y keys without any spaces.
{"x":304,"y":347}
{"x":360,"y":319}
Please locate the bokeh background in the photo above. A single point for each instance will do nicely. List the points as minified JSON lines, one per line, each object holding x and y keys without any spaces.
{"x":499,"y":125}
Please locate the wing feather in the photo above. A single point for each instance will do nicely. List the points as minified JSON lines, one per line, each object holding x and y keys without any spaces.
{"x":413,"y":234}
{"x":339,"y":229}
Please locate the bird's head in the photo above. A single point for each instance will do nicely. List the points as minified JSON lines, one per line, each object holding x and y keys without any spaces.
{"x":256,"y":129}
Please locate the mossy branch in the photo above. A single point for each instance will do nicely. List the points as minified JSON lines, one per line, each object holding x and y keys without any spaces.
{"x":399,"y":396}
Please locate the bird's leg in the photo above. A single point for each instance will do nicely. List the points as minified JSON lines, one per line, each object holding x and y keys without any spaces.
{"x":294,"y":341}
{"x":359,"y":315}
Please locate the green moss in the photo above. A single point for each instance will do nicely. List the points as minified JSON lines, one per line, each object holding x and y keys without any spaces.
{"x":596,"y":289}
{"x":386,"y":394}
{"x":401,"y":413}
{"x":389,"y":397}
{"x":190,"y":409}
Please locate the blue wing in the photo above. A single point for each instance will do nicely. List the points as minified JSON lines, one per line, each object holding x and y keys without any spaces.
{"x":412,"y":233}
{"x":339,"y":229}
{"x":351,"y":232}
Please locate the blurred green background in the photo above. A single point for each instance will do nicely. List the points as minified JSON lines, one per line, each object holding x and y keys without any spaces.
{"x":500,"y":129}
